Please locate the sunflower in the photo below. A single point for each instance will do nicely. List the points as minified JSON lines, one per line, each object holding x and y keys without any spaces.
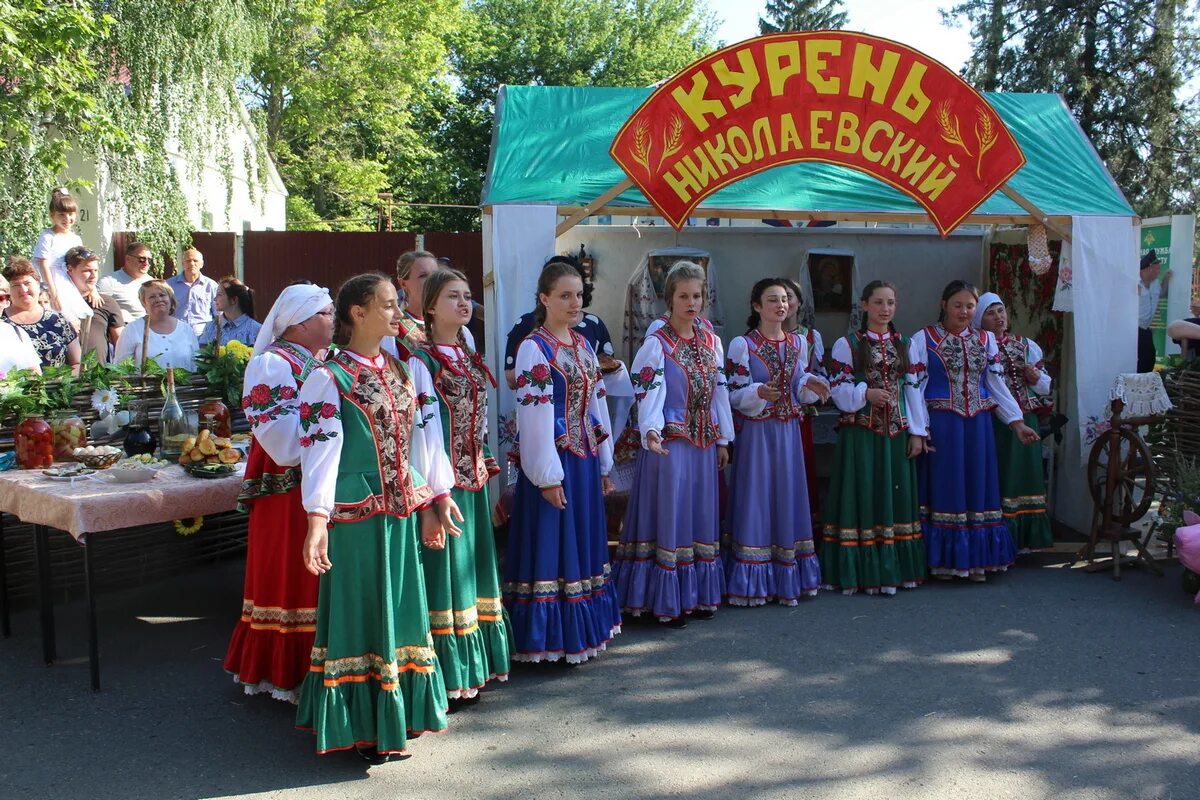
{"x":188,"y":529}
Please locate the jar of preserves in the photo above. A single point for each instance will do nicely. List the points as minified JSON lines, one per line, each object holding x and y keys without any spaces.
{"x":70,"y":432}
{"x":35,"y":443}
{"x":219,"y":412}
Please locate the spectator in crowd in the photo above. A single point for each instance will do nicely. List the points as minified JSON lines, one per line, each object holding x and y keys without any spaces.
{"x":44,"y":296}
{"x":125,"y":284}
{"x":100,"y":331}
{"x":16,"y":351}
{"x":235,"y":314}
{"x":49,"y":252}
{"x":195,"y":292}
{"x":170,"y":342}
{"x":1150,"y":289}
{"x":1186,"y":332}
{"x":53,"y":336}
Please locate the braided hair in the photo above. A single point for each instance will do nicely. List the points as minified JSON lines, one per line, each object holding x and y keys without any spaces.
{"x":862,"y":354}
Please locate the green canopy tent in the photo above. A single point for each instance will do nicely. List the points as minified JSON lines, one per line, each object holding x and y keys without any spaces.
{"x":550,"y":167}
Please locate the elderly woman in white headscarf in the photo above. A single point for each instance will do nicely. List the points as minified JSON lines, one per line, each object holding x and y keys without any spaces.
{"x":271,"y":644}
{"x":1022,"y":483}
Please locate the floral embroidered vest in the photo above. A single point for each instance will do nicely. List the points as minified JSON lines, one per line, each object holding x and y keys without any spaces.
{"x":378,"y":410}
{"x":881,"y":373}
{"x":691,"y":378}
{"x":411,"y":337}
{"x":1013,"y":351}
{"x":263,"y":476}
{"x":573,"y":374}
{"x":461,"y":385}
{"x":956,"y":368}
{"x":774,"y":363}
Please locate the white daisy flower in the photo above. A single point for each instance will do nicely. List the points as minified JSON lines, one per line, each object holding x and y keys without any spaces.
{"x":105,"y":401}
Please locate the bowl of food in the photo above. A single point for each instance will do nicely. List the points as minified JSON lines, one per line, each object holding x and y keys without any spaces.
{"x":101,"y":457}
{"x":68,"y":472}
{"x":132,"y":473}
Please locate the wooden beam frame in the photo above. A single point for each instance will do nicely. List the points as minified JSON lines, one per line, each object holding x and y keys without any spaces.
{"x":1036,"y":213}
{"x":1060,"y":221}
{"x":583,"y":212}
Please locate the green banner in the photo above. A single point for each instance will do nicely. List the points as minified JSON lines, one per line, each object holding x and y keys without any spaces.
{"x":1158,"y":239}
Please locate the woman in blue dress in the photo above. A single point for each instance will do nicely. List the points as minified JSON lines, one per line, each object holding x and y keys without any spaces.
{"x":557,"y":587}
{"x":958,"y":476}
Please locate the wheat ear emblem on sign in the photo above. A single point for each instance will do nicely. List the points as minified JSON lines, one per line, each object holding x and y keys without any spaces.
{"x":985,"y":133}
{"x":640,"y":151}
{"x":672,"y":139}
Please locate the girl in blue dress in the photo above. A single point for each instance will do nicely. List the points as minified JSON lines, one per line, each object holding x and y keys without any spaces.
{"x":557,"y":587}
{"x":957,"y":472}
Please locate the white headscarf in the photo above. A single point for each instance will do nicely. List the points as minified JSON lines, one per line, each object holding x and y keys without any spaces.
{"x":295,"y":305}
{"x":986,"y":301}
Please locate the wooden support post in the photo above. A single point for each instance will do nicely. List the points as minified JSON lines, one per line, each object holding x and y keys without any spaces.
{"x":1036,"y":212}
{"x":590,"y":208}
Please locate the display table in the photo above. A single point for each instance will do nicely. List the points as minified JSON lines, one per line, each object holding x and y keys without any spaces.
{"x":97,"y":504}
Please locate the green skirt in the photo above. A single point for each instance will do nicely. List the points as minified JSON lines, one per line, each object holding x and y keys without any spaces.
{"x":374,"y":675}
{"x":468,"y":623}
{"x":872,"y":534}
{"x":1023,"y":488}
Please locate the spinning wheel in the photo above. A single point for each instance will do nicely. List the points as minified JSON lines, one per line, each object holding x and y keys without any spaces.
{"x":1122,"y":486}
{"x":1120,"y":476}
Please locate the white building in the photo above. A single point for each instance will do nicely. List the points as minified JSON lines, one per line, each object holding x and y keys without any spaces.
{"x":258,"y":201}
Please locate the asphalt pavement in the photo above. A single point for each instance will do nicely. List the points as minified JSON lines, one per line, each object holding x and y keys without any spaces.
{"x":1045,"y":682}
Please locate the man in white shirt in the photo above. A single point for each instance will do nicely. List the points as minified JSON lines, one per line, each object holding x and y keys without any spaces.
{"x":123,"y":285}
{"x":194,"y":292}
{"x":1150,"y":289}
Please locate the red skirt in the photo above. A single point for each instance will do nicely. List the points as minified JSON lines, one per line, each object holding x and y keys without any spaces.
{"x":271,"y":647}
{"x":810,"y":464}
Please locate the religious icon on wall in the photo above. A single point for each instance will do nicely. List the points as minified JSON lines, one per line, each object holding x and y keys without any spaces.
{"x":659,"y":266}
{"x":832,"y":278}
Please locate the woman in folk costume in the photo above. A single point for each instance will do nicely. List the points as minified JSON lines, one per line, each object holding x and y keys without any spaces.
{"x":957,"y":474}
{"x":666,"y":563}
{"x":772,"y":555}
{"x":462,"y":581}
{"x":368,"y":472}
{"x":272,"y":643}
{"x":872,"y":533}
{"x":815,"y":366}
{"x":557,"y":588}
{"x":1022,"y":481}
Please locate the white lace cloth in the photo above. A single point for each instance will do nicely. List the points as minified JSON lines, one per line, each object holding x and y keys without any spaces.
{"x":1142,"y":393}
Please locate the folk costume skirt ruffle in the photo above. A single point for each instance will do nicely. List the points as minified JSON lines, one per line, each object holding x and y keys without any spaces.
{"x":272,"y":641}
{"x":374,"y":674}
{"x":466,"y":618}
{"x":1023,"y":488}
{"x":959,"y":489}
{"x":667,"y":562}
{"x":558,"y":590}
{"x":872,"y":533}
{"x":770,"y":554}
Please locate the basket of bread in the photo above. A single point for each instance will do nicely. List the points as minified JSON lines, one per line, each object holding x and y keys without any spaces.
{"x":208,"y":456}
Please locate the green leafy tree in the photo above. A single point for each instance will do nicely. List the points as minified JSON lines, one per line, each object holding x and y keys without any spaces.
{"x":549,"y":42}
{"x":343,"y":88}
{"x":802,"y":15}
{"x":1120,"y":67}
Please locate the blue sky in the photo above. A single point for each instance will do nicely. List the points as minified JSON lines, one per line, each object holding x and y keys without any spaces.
{"x":916,"y":23}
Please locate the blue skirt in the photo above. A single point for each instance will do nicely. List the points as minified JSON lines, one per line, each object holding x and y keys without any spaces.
{"x":557,"y":588}
{"x":959,"y":488}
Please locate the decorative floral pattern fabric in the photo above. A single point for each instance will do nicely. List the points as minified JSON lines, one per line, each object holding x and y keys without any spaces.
{"x":1017,"y":352}
{"x":376,"y":399}
{"x":957,"y":372}
{"x":51,"y":336}
{"x":881,"y":373}
{"x":681,"y":390}
{"x":461,"y":383}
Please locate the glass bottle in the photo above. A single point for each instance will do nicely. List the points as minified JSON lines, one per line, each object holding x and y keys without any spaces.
{"x":219,"y":426}
{"x":70,"y":432}
{"x":172,"y":423}
{"x":34,"y":443}
{"x":138,"y":436}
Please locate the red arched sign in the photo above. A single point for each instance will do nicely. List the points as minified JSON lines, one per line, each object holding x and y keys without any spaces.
{"x":842,"y":98}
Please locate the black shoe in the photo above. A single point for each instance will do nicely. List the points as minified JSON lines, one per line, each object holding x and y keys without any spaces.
{"x":372,"y":756}
{"x":678,"y":622}
{"x":703,"y":613}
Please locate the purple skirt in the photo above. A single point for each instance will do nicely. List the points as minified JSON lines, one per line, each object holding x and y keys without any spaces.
{"x":771,"y":556}
{"x":666,"y":563}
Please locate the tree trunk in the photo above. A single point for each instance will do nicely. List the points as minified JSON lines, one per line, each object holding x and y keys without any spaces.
{"x":993,"y":41}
